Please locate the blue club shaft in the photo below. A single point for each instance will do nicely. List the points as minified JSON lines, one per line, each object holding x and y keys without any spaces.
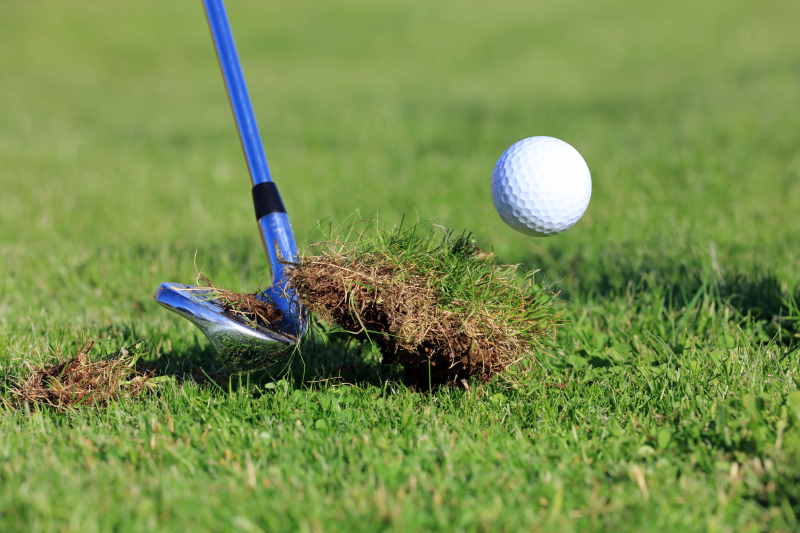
{"x":276,"y":231}
{"x":237,"y":92}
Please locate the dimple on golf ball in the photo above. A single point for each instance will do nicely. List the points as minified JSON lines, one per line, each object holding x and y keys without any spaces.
{"x":541,"y":186}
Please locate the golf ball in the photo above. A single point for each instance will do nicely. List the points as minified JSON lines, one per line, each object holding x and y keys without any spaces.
{"x":541,"y":186}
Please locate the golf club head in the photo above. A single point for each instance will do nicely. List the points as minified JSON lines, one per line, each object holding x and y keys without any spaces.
{"x":230,"y":338}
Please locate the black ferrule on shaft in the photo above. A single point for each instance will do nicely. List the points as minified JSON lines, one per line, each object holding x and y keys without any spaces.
{"x":267,"y":200}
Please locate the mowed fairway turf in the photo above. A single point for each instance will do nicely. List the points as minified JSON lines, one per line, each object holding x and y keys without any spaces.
{"x":668,"y":401}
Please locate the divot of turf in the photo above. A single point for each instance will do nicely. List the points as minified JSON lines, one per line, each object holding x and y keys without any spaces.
{"x":81,"y":381}
{"x":437,"y":305}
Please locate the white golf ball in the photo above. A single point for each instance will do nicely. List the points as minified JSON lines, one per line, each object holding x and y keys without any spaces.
{"x":541,"y":186}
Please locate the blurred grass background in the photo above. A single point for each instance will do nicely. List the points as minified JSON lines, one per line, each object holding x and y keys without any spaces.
{"x":120,"y":168}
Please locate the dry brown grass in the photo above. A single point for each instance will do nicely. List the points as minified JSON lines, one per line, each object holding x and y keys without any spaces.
{"x":246,"y":308}
{"x":433,"y":302}
{"x":399,"y":309}
{"x":81,"y":381}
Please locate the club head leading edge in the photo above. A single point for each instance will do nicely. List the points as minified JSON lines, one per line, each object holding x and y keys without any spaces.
{"x":231,"y":338}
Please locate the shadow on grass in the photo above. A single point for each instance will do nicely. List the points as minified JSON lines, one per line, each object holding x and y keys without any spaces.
{"x":322,"y":357}
{"x":776,"y":489}
{"x":680,"y":283}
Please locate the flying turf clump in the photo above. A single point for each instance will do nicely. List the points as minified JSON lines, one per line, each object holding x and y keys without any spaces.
{"x":437,"y":306}
{"x":81,"y":381}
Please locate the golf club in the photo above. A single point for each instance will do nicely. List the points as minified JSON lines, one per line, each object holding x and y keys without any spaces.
{"x":197,"y":304}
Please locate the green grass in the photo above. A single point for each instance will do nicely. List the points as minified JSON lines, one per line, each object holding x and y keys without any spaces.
{"x":670,"y":399}
{"x":432,"y":301}
{"x":464,"y":278}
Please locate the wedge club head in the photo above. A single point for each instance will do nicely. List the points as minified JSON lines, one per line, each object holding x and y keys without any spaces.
{"x":229,"y":336}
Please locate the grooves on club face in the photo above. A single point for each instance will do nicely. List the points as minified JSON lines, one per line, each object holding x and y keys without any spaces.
{"x":230,"y":338}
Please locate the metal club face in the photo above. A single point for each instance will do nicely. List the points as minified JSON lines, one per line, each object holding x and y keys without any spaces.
{"x":230,"y":338}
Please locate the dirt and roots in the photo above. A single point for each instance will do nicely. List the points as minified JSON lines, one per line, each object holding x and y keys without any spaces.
{"x":81,"y":381}
{"x":247,"y":308}
{"x":398,"y":309}
{"x":437,"y":306}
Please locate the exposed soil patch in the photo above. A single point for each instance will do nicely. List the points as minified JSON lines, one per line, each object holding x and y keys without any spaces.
{"x":81,"y":381}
